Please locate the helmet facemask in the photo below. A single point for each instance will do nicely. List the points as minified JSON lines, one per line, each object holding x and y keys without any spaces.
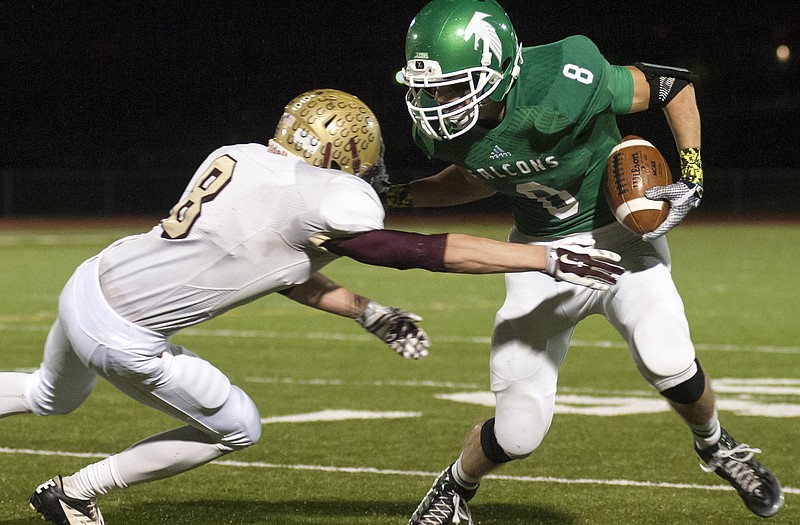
{"x":454,"y":117}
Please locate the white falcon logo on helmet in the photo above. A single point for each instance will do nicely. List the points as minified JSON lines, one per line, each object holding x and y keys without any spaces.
{"x":484,"y":32}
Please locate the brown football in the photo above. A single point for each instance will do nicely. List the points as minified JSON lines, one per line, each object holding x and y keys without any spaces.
{"x":634,"y":166}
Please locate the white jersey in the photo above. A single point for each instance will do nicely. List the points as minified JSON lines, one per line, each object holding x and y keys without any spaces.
{"x":242,"y":229}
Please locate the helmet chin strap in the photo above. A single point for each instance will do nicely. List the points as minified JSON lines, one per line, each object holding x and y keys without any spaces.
{"x":487,"y":107}
{"x":277,"y":149}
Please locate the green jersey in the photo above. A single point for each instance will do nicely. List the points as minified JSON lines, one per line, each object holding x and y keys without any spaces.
{"x":549,"y":152}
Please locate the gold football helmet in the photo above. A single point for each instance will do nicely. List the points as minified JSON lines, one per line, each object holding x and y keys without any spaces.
{"x":331,"y":129}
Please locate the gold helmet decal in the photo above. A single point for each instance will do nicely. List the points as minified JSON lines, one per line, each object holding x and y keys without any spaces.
{"x":330,"y":129}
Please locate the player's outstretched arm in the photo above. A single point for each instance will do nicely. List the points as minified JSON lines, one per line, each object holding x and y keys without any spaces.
{"x":395,"y":327}
{"x":460,"y":253}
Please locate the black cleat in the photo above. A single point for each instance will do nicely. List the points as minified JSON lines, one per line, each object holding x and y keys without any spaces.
{"x":733,"y":462}
{"x":445,"y":502}
{"x":50,"y":501}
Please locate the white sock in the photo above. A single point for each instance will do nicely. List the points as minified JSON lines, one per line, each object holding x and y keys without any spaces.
{"x":462,"y":478}
{"x":708,"y":434}
{"x":12,"y":394}
{"x":94,"y":480}
{"x":157,"y":457}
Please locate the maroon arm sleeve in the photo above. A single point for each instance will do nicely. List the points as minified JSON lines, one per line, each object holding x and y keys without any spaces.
{"x":392,"y":248}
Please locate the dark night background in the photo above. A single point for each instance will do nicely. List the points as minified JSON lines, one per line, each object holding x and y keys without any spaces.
{"x":108,"y":107}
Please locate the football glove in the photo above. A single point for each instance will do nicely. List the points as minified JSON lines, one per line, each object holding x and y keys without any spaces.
{"x":683,"y":196}
{"x":391,"y":195}
{"x":376,"y":175}
{"x":397,"y":328}
{"x":575,"y":260}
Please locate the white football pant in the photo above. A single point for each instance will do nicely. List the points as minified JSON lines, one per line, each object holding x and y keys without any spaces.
{"x":88,"y":340}
{"x":534,"y":326}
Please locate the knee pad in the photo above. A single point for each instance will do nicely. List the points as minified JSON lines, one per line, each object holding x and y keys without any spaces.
{"x":242,"y":421}
{"x":491,"y":448}
{"x":523,"y":415}
{"x":208,"y":397}
{"x":690,"y":390}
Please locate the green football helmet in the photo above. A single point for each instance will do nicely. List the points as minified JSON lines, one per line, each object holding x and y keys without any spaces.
{"x":469,"y":46}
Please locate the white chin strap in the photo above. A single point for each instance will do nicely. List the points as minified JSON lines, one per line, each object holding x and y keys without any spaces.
{"x":277,"y":149}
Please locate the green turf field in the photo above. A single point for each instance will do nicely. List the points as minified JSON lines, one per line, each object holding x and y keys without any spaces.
{"x":614,"y":454}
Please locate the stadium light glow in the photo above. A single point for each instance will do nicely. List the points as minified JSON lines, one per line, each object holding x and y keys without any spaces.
{"x":783,"y":54}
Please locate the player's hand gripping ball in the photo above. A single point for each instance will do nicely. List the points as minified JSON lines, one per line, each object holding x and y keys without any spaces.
{"x":633,"y":167}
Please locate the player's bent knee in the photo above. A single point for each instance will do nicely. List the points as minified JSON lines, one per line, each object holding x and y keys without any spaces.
{"x":690,"y":390}
{"x":518,"y":441}
{"x":664,"y":347}
{"x":242,"y":412}
{"x":523,"y":415}
{"x":59,"y":408}
{"x":42,"y":400}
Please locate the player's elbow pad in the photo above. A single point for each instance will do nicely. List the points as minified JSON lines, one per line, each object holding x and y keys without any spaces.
{"x":665,"y":82}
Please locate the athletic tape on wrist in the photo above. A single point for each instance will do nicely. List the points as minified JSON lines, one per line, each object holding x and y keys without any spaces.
{"x":691,"y":165}
{"x":397,"y":196}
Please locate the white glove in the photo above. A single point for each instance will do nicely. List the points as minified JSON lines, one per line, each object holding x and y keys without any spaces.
{"x":576,"y":261}
{"x":397,"y":328}
{"x":683,"y":197}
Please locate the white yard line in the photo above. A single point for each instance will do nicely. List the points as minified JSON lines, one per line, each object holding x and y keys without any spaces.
{"x":337,"y":415}
{"x":415,"y":473}
{"x":377,"y":383}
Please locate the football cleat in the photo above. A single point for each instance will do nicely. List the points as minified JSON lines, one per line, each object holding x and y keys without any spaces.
{"x":445,"y":502}
{"x":54,"y":505}
{"x":734,"y":462}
